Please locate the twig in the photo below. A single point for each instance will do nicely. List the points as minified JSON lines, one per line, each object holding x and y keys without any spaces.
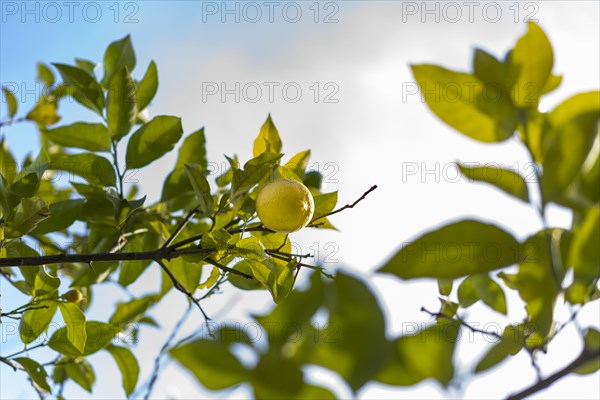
{"x":361,"y":198}
{"x":180,"y":227}
{"x":461,"y":322}
{"x":227,"y":269}
{"x":26,"y":350}
{"x":10,"y":363}
{"x":583,"y":359}
{"x":177,"y":285}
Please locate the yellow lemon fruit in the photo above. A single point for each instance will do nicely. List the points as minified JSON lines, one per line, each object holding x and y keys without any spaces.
{"x":72,"y":296}
{"x":285,"y":205}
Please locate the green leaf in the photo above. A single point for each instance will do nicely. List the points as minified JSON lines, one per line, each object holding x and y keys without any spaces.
{"x":584,"y":254}
{"x":122,"y":107}
{"x":532,"y":61}
{"x":455,"y":250}
{"x":211,"y":363}
{"x":44,"y":112}
{"x":130,"y":369}
{"x":62,"y":216}
{"x":568,"y":141}
{"x":215,"y":274}
{"x":201,"y":188}
{"x":311,"y":392}
{"x":240,"y":282}
{"x":44,"y":283}
{"x":83,"y":87}
{"x":35,"y":322}
{"x":250,"y":248}
{"x":75,"y":322}
{"x":129,"y":271}
{"x":119,"y":54}
{"x":11,"y":103}
{"x":187,"y":273}
{"x":537,"y":286}
{"x":27,"y":182}
{"x":91,"y":167}
{"x":93,"y":137}
{"x":512,"y":341}
{"x":324,"y":204}
{"x":81,"y":372}
{"x":98,"y":334}
{"x":481,"y":287}
{"x":254,"y":171}
{"x":28,"y":214}
{"x":298,"y":163}
{"x":356,"y":346}
{"x":459,"y":99}
{"x":425,"y":354}
{"x":268,"y":139}
{"x":276,"y":378}
{"x":504,"y":179}
{"x":45,"y":74}
{"x":153,"y":140}
{"x":86,"y":65}
{"x":35,"y":371}
{"x":148,"y":86}
{"x":132,"y":310}
{"x":445,"y":286}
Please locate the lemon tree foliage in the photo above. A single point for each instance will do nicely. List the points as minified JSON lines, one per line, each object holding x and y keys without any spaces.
{"x":61,"y":238}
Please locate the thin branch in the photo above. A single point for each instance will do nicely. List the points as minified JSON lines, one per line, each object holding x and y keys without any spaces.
{"x":158,"y":358}
{"x":12,"y":121}
{"x":180,"y":227}
{"x":26,"y":350}
{"x":227,"y":269}
{"x":361,"y":198}
{"x":177,"y":285}
{"x":583,"y":359}
{"x":461,"y":322}
{"x":10,"y":363}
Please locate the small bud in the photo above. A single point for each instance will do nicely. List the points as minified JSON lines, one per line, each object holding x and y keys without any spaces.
{"x":72,"y":296}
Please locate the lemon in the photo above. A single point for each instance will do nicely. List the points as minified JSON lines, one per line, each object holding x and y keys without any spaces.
{"x":72,"y":296}
{"x":285,"y":205}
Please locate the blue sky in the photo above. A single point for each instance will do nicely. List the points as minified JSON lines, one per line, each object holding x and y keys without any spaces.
{"x":374,"y":134}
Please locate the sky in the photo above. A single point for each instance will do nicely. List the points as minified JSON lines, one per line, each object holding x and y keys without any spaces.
{"x":335,"y":77}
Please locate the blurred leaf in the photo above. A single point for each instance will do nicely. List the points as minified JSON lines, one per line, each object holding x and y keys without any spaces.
{"x":93,"y":137}
{"x":356,"y":347}
{"x":91,"y":167}
{"x":148,"y":86}
{"x":445,"y":286}
{"x":313,"y":179}
{"x":512,"y":341}
{"x":35,"y":371}
{"x":81,"y":372}
{"x":27,"y":182}
{"x":98,"y":334}
{"x":11,"y":103}
{"x":62,"y":216}
{"x":122,"y":104}
{"x":537,"y":286}
{"x":211,"y":363}
{"x":153,"y":140}
{"x":86,"y":65}
{"x":568,"y":141}
{"x":201,"y":188}
{"x":215,"y":274}
{"x":276,"y":378}
{"x":83,"y":87}
{"x":531,"y":60}
{"x":268,"y":139}
{"x":28,"y":214}
{"x":45,"y":74}
{"x":44,"y":112}
{"x":130,"y":369}
{"x":35,"y":322}
{"x":75,"y":323}
{"x":481,"y":287}
{"x":119,"y":54}
{"x":425,"y":354}
{"x":504,"y":179}
{"x":254,"y":171}
{"x":133,"y":310}
{"x":459,"y":100}
{"x":455,"y":250}
{"x":584,"y":253}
